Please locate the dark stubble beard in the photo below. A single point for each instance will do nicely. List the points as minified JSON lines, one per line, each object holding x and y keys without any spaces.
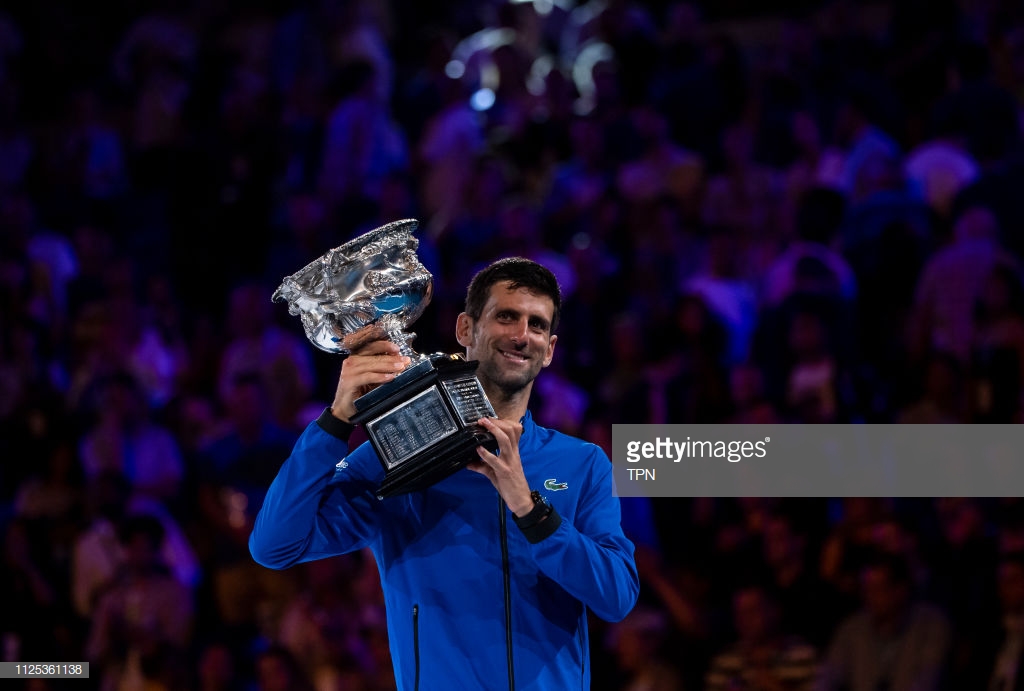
{"x":508,"y":386}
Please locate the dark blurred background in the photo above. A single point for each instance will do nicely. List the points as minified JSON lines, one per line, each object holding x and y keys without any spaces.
{"x":796,"y":212}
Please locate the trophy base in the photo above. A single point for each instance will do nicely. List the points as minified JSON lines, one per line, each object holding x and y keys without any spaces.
{"x":423,"y":424}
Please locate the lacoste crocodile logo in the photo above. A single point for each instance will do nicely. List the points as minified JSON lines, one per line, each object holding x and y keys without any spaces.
{"x":555,"y":485}
{"x":342,"y":464}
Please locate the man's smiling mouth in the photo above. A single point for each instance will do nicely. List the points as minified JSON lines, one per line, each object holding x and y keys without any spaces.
{"x":513,"y":356}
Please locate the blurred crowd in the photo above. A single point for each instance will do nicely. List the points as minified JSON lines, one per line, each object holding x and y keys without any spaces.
{"x":791,"y":212}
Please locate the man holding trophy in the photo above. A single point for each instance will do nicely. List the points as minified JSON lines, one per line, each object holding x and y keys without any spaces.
{"x":487,"y":575}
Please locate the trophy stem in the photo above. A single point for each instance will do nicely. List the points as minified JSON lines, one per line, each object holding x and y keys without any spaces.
{"x":393,"y":329}
{"x":402,"y":341}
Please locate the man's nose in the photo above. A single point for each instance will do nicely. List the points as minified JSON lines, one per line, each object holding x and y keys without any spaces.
{"x":519,"y":331}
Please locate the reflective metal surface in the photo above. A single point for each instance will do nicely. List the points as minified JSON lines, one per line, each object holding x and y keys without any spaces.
{"x":412,"y":426}
{"x":371,"y":287}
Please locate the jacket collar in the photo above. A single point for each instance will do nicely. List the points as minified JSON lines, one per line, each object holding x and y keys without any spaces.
{"x":530,"y":440}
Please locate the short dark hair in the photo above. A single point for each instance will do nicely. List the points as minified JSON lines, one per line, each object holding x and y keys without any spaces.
{"x":520,"y":273}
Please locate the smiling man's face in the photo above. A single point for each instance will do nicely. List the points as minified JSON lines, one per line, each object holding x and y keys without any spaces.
{"x":512,"y":338}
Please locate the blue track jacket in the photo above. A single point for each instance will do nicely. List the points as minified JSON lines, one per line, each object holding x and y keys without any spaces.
{"x":452,"y":562}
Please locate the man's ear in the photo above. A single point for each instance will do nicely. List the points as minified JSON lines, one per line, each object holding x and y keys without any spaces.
{"x":551,"y":351}
{"x":464,"y":330}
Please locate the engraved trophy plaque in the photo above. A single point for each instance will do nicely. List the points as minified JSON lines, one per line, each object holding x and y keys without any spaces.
{"x":423,"y":423}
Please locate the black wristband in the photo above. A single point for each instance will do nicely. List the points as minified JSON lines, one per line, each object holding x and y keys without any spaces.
{"x":333,"y":426}
{"x":540,"y":522}
{"x":543,"y":529}
{"x":534,"y":515}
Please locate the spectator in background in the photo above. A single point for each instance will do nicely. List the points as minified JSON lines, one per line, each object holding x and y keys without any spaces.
{"x":997,"y":351}
{"x":728,"y":293}
{"x":17,"y":148}
{"x":94,"y":250}
{"x":451,"y":143}
{"x":520,"y":234}
{"x":236,"y":466}
{"x":662,"y":254}
{"x":97,"y":556}
{"x":465,"y":242}
{"x":637,"y":644}
{"x":662,"y":166}
{"x":817,"y":388}
{"x":327,"y":627}
{"x":47,"y":257}
{"x":763,"y":657}
{"x":623,"y":389}
{"x":30,"y":620}
{"x":94,"y":146}
{"x":560,"y":403}
{"x":217,"y":669}
{"x":894,"y":642}
{"x":159,"y":354}
{"x":963,"y":565}
{"x":848,"y":546}
{"x":818,"y":217}
{"x":142,"y":625}
{"x":816,"y":165}
{"x":887,"y":271}
{"x":938,"y":168}
{"x":105,"y":336}
{"x":55,"y":493}
{"x":124,"y":440}
{"x":984,"y":110}
{"x":579,"y":182}
{"x":744,"y":199}
{"x":363,"y":145}
{"x":686,"y":613}
{"x":152,"y":63}
{"x":1010,"y":532}
{"x":689,"y":382}
{"x":303,"y":236}
{"x":885,"y":201}
{"x":996,"y":652}
{"x":738,"y":536}
{"x":750,"y":404}
{"x":942,"y":397}
{"x":805,"y":609}
{"x":256,"y":345}
{"x":865,"y":144}
{"x":277,"y":670}
{"x":951,"y":283}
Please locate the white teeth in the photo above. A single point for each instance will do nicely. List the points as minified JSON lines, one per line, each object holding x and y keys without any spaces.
{"x":512,"y":356}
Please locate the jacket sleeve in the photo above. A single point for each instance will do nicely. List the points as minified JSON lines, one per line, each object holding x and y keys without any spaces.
{"x":322,"y":502}
{"x":590,"y":557}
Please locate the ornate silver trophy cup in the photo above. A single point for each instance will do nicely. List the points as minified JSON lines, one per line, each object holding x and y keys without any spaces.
{"x":423,"y":423}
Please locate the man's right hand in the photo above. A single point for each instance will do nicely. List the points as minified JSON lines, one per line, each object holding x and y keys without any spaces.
{"x":372,"y":365}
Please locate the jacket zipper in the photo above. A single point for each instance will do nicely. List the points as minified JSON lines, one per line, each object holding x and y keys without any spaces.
{"x":502,"y":521}
{"x":416,"y":644}
{"x":586,"y":652}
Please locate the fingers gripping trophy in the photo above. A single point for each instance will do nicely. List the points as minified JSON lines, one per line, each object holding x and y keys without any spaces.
{"x":423,"y":423}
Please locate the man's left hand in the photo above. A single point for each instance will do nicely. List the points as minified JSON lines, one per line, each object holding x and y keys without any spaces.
{"x":505,"y":470}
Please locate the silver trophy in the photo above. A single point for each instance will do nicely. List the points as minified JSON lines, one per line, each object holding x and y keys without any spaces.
{"x":423,"y":423}
{"x":370,"y":288}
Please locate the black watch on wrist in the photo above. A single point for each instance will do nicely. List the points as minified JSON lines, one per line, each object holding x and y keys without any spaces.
{"x":541,"y":508}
